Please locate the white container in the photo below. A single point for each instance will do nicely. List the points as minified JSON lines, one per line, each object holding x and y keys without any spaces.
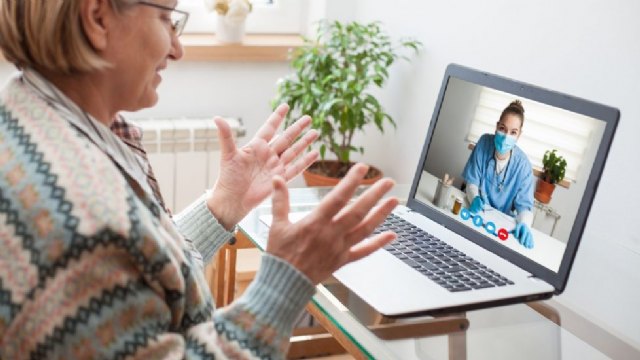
{"x":442,"y":195}
{"x":229,"y":31}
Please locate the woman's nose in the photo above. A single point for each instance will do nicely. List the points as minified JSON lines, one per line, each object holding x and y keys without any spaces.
{"x":176,"y":48}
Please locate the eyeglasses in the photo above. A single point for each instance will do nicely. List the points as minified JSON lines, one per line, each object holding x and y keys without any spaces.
{"x":178,"y":17}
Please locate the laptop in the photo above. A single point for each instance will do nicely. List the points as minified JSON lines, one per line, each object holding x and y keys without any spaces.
{"x":448,"y":259}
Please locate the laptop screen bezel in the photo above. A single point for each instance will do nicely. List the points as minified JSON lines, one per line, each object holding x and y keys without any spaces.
{"x":609,"y":115}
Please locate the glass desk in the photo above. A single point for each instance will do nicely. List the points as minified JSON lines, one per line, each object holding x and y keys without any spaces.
{"x":540,"y":330}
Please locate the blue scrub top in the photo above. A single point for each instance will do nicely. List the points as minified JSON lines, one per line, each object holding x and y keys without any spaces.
{"x":517,"y":189}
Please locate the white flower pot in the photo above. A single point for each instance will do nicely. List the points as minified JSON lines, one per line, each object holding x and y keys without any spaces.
{"x":229,"y":30}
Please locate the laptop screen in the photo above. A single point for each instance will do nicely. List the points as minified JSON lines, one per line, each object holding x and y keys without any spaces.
{"x":513,"y":167}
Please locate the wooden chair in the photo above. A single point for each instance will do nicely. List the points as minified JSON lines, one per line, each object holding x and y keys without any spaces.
{"x":222,"y":274}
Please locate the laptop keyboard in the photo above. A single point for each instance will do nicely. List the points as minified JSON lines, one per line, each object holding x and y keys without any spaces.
{"x":440,"y":262}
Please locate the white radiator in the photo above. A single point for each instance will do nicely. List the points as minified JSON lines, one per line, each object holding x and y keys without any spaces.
{"x":185,"y":155}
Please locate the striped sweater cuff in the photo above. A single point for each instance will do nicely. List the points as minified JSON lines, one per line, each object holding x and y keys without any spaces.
{"x":278,"y":294}
{"x":198,"y":224}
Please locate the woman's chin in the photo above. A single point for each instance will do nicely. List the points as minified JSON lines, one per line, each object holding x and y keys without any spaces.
{"x":143,"y":103}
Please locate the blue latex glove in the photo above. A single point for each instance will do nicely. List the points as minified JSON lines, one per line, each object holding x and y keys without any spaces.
{"x":477,"y":205}
{"x":523,"y":234}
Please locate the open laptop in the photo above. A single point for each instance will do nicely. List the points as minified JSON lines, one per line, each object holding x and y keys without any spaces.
{"x":448,"y":259}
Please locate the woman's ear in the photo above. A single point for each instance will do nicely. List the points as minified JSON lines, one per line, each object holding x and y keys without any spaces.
{"x":94,"y":17}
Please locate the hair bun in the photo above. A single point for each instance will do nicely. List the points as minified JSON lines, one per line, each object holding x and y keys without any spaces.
{"x":516,"y":105}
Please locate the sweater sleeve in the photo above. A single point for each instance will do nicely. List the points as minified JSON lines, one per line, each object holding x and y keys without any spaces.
{"x":260,"y":322}
{"x":198,"y":225}
{"x":139,"y":295}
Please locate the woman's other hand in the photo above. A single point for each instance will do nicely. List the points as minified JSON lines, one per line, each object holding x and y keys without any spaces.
{"x":335,"y":232}
{"x":522,"y":232}
{"x":477,"y":205}
{"x":246,"y":173}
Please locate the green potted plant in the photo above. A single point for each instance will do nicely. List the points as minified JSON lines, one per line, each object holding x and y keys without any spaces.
{"x":333,"y":75}
{"x":554,"y":167}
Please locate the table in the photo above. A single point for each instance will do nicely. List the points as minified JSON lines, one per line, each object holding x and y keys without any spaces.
{"x":534,"y":331}
{"x":547,"y":210}
{"x":547,"y":250}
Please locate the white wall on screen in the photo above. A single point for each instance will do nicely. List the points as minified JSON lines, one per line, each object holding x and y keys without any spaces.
{"x":448,"y":152}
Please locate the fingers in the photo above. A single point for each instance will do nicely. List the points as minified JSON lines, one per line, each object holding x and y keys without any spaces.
{"x":523,"y":235}
{"x":290,"y":134}
{"x":374,"y":218}
{"x":225,"y":137}
{"x":524,"y":242}
{"x":269,"y":128}
{"x":280,"y":200}
{"x":300,"y":165}
{"x":355,"y":212}
{"x":516,"y":232}
{"x":292,"y":170}
{"x":528,"y":241}
{"x":298,"y":147}
{"x":368,"y":246}
{"x":340,"y":195}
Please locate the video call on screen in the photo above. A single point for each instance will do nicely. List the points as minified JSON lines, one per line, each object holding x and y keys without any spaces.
{"x":462,"y":152}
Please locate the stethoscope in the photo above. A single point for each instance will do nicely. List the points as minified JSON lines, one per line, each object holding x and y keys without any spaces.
{"x":504,"y":171}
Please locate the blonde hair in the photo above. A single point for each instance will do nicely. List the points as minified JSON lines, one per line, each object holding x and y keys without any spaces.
{"x":48,"y":34}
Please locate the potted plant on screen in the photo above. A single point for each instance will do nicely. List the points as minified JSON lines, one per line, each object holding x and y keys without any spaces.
{"x":554,"y":167}
{"x":332,"y":79}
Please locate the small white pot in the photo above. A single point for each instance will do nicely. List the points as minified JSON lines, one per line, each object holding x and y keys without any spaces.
{"x":229,"y":30}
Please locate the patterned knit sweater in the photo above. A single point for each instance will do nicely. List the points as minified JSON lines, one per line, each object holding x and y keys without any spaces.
{"x":89,"y":270}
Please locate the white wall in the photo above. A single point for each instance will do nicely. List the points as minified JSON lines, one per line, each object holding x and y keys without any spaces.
{"x":588,"y":49}
{"x":199,"y":89}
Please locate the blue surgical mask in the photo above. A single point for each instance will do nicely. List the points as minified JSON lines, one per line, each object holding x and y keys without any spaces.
{"x":503,"y":142}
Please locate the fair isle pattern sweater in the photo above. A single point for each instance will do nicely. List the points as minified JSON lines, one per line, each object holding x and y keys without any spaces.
{"x":89,"y":270}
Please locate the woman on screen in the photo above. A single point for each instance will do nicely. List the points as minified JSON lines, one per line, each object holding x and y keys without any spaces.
{"x":498,"y":173}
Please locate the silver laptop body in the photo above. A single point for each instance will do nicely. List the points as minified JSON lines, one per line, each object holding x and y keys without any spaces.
{"x":394,"y":288}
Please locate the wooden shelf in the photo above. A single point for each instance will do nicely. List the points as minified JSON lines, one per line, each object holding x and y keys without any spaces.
{"x":255,"y":47}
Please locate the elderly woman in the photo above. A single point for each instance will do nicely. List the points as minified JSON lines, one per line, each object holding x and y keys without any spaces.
{"x":91,"y":265}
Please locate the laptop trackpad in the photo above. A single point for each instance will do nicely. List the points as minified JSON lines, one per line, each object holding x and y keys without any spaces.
{"x":390,"y":286}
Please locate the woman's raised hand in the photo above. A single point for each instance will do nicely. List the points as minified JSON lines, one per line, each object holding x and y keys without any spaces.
{"x":246,"y":173}
{"x":335,"y":232}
